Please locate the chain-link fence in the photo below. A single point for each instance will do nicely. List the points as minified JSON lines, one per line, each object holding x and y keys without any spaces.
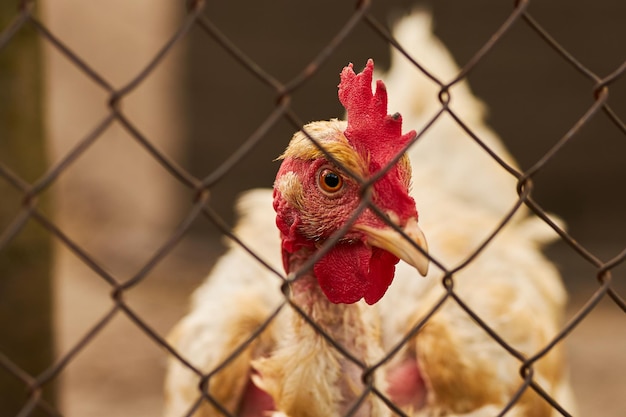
{"x":28,"y":194}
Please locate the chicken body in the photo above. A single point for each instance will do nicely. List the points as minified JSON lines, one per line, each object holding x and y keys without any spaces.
{"x":452,"y":367}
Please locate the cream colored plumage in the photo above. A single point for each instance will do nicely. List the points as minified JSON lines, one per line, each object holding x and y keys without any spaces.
{"x":461,"y":195}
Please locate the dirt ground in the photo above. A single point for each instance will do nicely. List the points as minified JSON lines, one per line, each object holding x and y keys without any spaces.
{"x":120,"y":373}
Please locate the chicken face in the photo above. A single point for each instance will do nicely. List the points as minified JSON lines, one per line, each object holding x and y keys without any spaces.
{"x":314,"y":198}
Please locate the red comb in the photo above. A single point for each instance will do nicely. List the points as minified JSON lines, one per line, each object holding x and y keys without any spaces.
{"x":370,"y":128}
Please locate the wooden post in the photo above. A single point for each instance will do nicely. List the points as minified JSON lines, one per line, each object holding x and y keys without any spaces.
{"x":25,"y":280}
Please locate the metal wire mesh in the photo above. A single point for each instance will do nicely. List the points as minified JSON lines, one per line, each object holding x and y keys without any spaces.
{"x":200,"y":188}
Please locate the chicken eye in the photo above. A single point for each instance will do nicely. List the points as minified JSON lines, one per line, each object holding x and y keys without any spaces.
{"x":330,"y":181}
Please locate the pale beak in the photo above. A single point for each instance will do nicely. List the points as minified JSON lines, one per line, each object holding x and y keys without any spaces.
{"x":393,"y":242}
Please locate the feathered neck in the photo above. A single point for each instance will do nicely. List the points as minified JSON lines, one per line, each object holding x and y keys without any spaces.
{"x":351,"y":326}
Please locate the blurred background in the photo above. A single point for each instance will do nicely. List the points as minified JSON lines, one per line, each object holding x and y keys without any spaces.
{"x":97,"y":181}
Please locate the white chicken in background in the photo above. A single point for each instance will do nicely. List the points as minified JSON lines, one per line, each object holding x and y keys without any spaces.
{"x":452,"y":367}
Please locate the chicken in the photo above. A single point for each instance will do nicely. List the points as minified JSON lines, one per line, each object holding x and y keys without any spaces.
{"x":354,"y":291}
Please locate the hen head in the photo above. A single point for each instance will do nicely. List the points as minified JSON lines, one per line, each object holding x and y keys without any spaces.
{"x":314,"y":195}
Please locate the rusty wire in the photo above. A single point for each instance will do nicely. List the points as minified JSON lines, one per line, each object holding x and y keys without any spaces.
{"x":201,"y":187}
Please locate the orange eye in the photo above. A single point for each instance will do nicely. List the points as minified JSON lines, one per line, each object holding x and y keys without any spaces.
{"x":330,"y":181}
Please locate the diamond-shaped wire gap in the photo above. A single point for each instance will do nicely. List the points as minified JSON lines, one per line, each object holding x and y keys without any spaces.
{"x":305,"y":74}
{"x":169,"y":244}
{"x":71,"y":156}
{"x":52,"y":372}
{"x":414,"y":330}
{"x":247,"y":146}
{"x":506,"y":165}
{"x":114,"y":204}
{"x":148,"y":69}
{"x":166,"y":162}
{"x":584,"y":119}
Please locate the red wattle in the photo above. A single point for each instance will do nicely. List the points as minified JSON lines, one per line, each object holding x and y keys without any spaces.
{"x":351,"y":271}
